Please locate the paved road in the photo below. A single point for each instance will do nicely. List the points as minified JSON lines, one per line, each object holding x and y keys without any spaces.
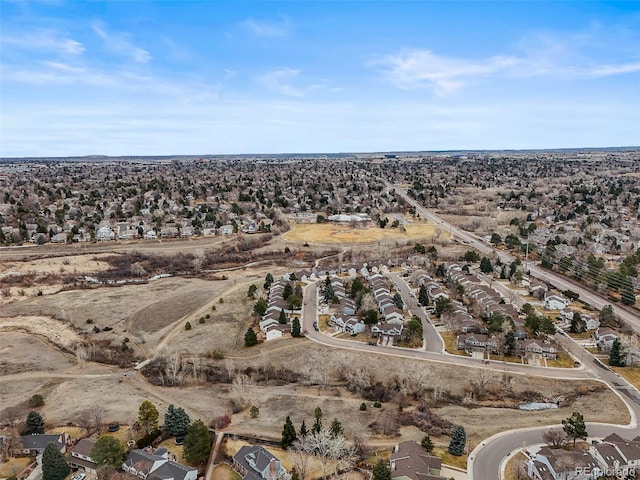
{"x":484,"y":462}
{"x":560,"y":282}
{"x":432,"y":339}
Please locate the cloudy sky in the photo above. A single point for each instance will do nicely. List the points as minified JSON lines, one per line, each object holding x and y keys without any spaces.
{"x":205,"y":77}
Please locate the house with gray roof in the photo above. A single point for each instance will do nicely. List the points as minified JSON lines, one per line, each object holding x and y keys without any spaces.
{"x":154,"y":464}
{"x":254,"y":462}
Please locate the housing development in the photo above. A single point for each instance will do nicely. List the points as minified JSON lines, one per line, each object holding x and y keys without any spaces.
{"x":407,"y":315}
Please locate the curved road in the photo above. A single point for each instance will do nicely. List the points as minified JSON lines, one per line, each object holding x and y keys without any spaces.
{"x":560,"y":282}
{"x":485,"y":460}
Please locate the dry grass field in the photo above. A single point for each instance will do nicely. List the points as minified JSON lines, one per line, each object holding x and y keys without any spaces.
{"x":38,"y":334}
{"x":328,"y":233}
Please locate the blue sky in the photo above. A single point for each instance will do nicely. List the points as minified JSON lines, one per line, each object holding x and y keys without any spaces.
{"x":206,"y":77}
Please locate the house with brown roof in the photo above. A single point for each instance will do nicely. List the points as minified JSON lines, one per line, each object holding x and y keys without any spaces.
{"x":410,"y":461}
{"x":559,"y":464}
{"x":80,"y":456}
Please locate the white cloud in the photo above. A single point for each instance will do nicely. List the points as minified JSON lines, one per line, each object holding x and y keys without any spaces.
{"x":550,"y":57}
{"x":422,"y":68}
{"x":119,"y":43}
{"x":282,"y":80}
{"x":266,"y":29}
{"x":44,"y":40}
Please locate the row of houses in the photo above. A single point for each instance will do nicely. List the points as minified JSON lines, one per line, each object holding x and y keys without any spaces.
{"x":270,"y":325}
{"x":475,"y":343}
{"x":147,"y":464}
{"x":613,"y":456}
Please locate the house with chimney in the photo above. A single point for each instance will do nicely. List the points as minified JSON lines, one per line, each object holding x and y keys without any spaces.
{"x":254,"y":462}
{"x":154,"y":464}
{"x":80,"y":456}
{"x":410,"y":461}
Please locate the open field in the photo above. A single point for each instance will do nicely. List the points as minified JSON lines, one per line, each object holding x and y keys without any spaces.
{"x":327,"y":233}
{"x":303,"y":375}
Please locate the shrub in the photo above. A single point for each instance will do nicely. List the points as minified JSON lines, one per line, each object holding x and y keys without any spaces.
{"x":221,"y":300}
{"x":377,"y":404}
{"x":201,"y":319}
{"x":187,"y":326}
{"x":36,"y":401}
{"x":363,"y":407}
{"x":215,"y":354}
{"x":222,"y":421}
{"x":148,"y":439}
{"x":107,"y":329}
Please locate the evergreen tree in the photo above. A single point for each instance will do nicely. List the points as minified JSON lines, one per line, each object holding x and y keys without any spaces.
{"x":197,"y":443}
{"x":288,"y":290}
{"x":485,"y":265}
{"x":252,"y":291}
{"x":577,"y":324}
{"x":356,"y":287}
{"x":336,"y":428}
{"x":260,"y":307}
{"x":176,"y":421}
{"x":423,"y":297}
{"x":397,"y":299}
{"x":627,"y":296}
{"x":317,"y":425}
{"x":268,"y":281}
{"x":282,"y":318}
{"x":303,"y":429}
{"x":148,"y":416}
{"x":616,"y":355}
{"x":35,"y":424}
{"x":108,"y":451}
{"x":574,"y":427}
{"x":381,"y":471}
{"x":328,"y":290}
{"x":288,"y":434}
{"x":509,"y":343}
{"x":254,"y":411}
{"x":503,"y":273}
{"x":427,"y":444}
{"x":458,"y":441}
{"x":54,"y":465}
{"x":295,"y":327}
{"x":250,"y":338}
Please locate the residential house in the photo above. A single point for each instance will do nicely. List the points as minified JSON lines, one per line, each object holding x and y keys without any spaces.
{"x":410,"y":461}
{"x":105,"y":233}
{"x":560,"y":464}
{"x":36,"y":443}
{"x":225,"y":230}
{"x":476,"y":342}
{"x":347,"y":324}
{"x":540,"y":348}
{"x":537,"y":289}
{"x":80,"y":456}
{"x":385,"y":329}
{"x":604,"y":337}
{"x":254,"y":462}
{"x":617,"y":454}
{"x":154,"y":464}
{"x":555,"y":302}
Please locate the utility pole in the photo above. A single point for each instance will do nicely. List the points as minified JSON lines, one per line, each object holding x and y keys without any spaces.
{"x":526,"y":259}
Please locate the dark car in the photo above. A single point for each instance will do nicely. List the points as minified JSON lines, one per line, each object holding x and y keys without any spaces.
{"x":114,"y":426}
{"x":372,"y":343}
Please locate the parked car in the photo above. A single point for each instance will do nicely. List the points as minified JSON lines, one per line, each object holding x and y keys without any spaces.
{"x":113,"y":427}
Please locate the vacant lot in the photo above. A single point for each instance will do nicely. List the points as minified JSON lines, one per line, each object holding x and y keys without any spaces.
{"x":328,"y":233}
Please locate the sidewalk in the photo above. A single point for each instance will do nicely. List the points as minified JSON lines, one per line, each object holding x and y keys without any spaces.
{"x":451,"y":472}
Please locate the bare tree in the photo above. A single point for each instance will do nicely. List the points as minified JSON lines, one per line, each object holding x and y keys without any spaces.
{"x":555,"y":438}
{"x":241,"y":390}
{"x":358,"y":380}
{"x":173,"y":366}
{"x":230,"y":367}
{"x":97,"y":413}
{"x":326,"y":448}
{"x":81,"y":354}
{"x":300,"y":457}
{"x":480,"y":382}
